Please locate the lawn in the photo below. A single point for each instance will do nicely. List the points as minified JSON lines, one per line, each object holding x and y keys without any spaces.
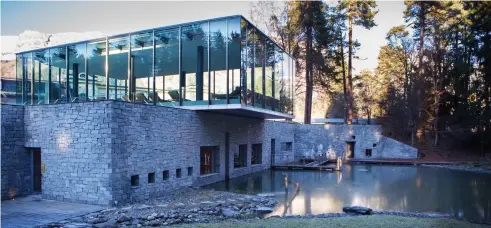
{"x":357,"y":221}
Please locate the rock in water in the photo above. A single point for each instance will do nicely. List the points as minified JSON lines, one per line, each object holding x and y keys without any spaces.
{"x":264,"y":210}
{"x":357,"y":210}
{"x":123,"y":218}
{"x":228,"y":212}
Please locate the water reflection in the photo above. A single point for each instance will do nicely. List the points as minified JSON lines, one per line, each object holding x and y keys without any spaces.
{"x":400,"y":188}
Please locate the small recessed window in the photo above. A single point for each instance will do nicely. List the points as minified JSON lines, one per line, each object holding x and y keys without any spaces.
{"x":353,"y":137}
{"x":165,"y":175}
{"x":151,"y":178}
{"x":368,"y":152}
{"x":135,"y":180}
{"x":190,"y":171}
{"x":178,"y":173}
{"x":375,"y":145}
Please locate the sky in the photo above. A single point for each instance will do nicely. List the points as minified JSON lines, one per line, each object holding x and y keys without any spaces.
{"x":115,"y":17}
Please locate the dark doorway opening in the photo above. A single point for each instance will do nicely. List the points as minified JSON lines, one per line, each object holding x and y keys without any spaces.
{"x":36,"y":169}
{"x":350,"y":149}
{"x":273,"y":151}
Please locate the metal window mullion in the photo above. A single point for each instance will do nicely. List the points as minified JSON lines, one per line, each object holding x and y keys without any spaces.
{"x":86,"y":74}
{"x":246,"y":55}
{"x":180,"y":67}
{"x":68,"y":97}
{"x":253,"y":71}
{"x":226,"y":62}
{"x":130,"y":75}
{"x":264,"y":70}
{"x":272,"y":76}
{"x":153,"y":68}
{"x":209,"y":60}
{"x":32,"y":78}
{"x":107,"y":68}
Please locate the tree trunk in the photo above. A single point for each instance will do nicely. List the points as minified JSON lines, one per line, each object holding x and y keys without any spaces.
{"x":344,"y":81}
{"x":308,"y":68}
{"x":350,"y":77}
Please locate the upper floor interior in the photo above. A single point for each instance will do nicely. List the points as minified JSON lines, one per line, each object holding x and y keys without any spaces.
{"x":224,"y":65}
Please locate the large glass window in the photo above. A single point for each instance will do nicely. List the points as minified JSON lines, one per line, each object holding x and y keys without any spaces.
{"x":141,"y":67}
{"x":278,"y":83}
{"x":288,"y":84}
{"x":258,"y":70}
{"x":41,"y":77}
{"x":218,"y":55}
{"x":268,"y":81}
{"x":96,"y":72}
{"x":76,"y":74}
{"x":58,"y":75}
{"x":18,"y":78}
{"x":244,"y":60}
{"x":234,"y":39}
{"x":251,"y":42}
{"x":167,"y":67}
{"x":28,"y":78}
{"x":282,"y":80}
{"x":118,"y":71}
{"x":195,"y":64}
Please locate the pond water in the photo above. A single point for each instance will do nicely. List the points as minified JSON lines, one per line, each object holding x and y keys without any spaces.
{"x":462,"y":194}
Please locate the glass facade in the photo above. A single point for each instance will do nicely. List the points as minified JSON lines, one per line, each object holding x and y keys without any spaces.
{"x":211,"y":62}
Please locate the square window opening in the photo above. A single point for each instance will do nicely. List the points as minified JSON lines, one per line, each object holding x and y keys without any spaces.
{"x":368,"y":152}
{"x":135,"y":180}
{"x":151,"y":178}
{"x":178,"y":173}
{"x":190,"y":171}
{"x":165,"y":175}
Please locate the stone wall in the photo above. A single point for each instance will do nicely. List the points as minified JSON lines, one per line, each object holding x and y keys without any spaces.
{"x":75,"y":143}
{"x":317,"y":140}
{"x":92,"y":150}
{"x":150,"y":139}
{"x":16,"y":161}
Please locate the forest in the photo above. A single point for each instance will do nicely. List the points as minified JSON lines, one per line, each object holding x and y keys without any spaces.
{"x":432,"y":84}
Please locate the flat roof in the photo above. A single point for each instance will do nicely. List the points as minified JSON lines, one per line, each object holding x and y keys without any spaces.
{"x":157,"y":28}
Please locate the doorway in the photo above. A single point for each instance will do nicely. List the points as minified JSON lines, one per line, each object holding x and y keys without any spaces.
{"x":36,"y":169}
{"x":350,"y":149}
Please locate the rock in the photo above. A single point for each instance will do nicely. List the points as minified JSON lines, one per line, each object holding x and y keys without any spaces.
{"x":229,"y":212}
{"x":96,"y":220}
{"x":266,"y":195}
{"x":108,"y":223}
{"x":357,"y":210}
{"x":123,"y":218}
{"x":152,"y":216}
{"x":135,"y":221}
{"x":206,"y":202}
{"x":78,"y":225}
{"x":154,"y":223}
{"x":264,"y":210}
{"x":161,"y":205}
{"x":179,"y":205}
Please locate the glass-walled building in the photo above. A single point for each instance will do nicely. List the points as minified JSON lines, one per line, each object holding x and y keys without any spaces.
{"x":224,"y":62}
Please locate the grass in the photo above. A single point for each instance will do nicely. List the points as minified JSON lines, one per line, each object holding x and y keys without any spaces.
{"x":357,"y":221}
